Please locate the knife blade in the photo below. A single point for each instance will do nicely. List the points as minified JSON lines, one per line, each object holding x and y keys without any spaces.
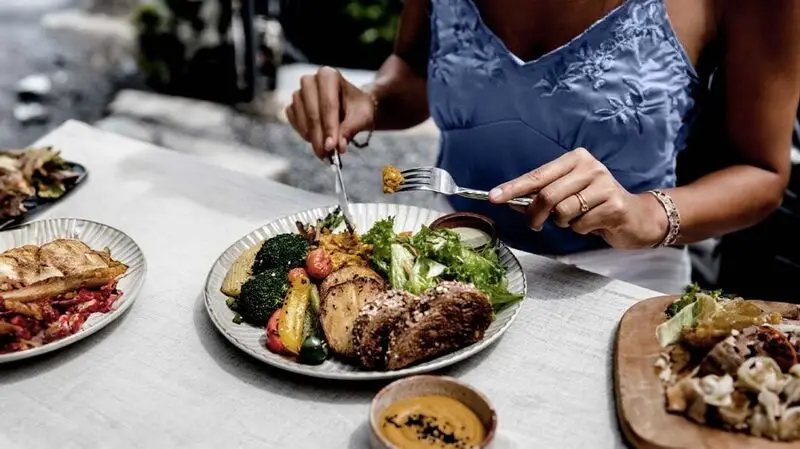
{"x":341,"y":192}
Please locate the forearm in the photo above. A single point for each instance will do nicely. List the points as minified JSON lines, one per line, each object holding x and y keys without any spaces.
{"x":401,"y":95}
{"x":724,"y":201}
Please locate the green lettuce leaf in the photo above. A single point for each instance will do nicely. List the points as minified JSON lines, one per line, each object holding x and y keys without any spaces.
{"x":425,"y":274}
{"x":402,"y":262}
{"x":381,"y":237}
{"x":483,"y":269}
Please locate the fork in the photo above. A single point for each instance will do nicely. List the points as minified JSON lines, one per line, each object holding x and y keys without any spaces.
{"x":434,"y":179}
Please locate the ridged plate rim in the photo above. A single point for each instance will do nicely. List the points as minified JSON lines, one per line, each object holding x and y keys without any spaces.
{"x":250,"y":339}
{"x":117,"y":241}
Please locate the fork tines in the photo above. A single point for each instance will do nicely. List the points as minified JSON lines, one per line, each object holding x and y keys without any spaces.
{"x":415,"y":179}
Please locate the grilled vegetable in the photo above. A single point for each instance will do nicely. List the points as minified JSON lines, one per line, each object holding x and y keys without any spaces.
{"x":342,"y":295}
{"x":239,"y":272}
{"x":274,"y":343}
{"x":296,"y":273}
{"x":318,"y":264}
{"x":292,"y":323}
{"x":285,"y":251}
{"x":261,"y":295}
{"x":314,"y":299}
{"x":314,"y":351}
{"x":311,"y":325}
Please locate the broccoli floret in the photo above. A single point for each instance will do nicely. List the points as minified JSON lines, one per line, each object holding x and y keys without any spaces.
{"x":285,"y":251}
{"x":261,"y":295}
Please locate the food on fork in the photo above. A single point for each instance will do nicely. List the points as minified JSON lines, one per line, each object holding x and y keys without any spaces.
{"x":392,"y":179}
{"x":47,"y":292}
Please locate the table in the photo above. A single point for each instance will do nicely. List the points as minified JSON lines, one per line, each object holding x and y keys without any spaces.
{"x":162,"y":377}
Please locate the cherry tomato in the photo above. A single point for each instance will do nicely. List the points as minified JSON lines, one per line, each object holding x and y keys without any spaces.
{"x":297,"y":273}
{"x":318,"y":264}
{"x":274,"y":343}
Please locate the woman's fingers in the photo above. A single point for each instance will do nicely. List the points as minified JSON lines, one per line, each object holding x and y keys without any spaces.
{"x":310,"y":95}
{"x":555,"y":193}
{"x":602,"y":218}
{"x":298,"y":112}
{"x":571,"y":208}
{"x":328,"y":85}
{"x":535,"y":180}
{"x":359,"y":112}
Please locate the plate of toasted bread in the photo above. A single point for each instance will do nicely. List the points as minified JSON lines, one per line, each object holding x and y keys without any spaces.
{"x":62,"y":280}
{"x":399,"y":295}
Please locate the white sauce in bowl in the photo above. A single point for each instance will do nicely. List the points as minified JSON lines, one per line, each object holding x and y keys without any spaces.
{"x":473,"y":238}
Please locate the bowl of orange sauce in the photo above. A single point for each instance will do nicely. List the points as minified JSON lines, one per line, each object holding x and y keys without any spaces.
{"x":423,"y":412}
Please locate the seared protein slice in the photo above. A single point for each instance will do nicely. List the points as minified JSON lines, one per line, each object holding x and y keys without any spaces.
{"x":340,"y":303}
{"x":347,"y":274}
{"x":451,"y":316}
{"x":375,"y":322}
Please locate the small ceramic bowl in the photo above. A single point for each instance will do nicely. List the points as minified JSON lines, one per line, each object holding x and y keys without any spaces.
{"x":461,"y":221}
{"x":430,"y":385}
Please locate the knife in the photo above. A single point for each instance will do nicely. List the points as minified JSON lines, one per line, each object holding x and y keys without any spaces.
{"x":336,"y":163}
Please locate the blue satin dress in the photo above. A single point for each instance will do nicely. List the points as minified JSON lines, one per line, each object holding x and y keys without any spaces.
{"x":624,"y":89}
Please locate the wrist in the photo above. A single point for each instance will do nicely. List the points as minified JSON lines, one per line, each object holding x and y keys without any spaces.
{"x":373,"y":116}
{"x":655,"y":221}
{"x":670,"y":210}
{"x":374,"y":102}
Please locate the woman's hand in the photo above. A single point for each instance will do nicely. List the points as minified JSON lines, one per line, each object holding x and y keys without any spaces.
{"x":582,"y":194}
{"x":328,"y":111}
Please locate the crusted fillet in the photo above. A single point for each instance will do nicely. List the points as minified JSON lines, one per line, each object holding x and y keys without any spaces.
{"x":376,"y":321}
{"x":452,"y":315}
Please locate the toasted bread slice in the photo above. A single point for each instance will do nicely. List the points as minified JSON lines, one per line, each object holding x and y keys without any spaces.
{"x":29,"y":273}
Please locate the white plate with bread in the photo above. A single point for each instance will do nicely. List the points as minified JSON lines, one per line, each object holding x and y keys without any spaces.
{"x":62,"y":280}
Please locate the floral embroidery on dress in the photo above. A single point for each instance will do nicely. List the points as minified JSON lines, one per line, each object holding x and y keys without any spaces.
{"x":634,"y":105}
{"x":593,"y":63}
{"x":465,"y":41}
{"x":626,"y":77}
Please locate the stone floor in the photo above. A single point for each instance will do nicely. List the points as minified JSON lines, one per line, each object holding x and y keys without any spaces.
{"x":82,"y":83}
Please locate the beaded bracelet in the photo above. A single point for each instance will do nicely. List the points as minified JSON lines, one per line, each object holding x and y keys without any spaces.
{"x":673,"y":217}
{"x":365,"y":143}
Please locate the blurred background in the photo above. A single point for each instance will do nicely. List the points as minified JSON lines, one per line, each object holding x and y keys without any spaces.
{"x":211,"y":78}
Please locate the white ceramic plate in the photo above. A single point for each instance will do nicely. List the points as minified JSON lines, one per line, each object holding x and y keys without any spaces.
{"x":251,"y":339}
{"x":97,"y":236}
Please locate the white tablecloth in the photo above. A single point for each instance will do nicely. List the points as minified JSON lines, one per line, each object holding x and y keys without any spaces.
{"x":162,"y":377}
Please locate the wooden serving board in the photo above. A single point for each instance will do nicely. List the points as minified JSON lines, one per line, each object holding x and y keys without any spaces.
{"x":641,"y":404}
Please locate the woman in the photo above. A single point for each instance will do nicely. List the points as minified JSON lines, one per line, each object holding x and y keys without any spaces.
{"x":583,"y":105}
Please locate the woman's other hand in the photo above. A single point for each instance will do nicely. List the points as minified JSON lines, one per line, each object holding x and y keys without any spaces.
{"x":328,"y":111}
{"x":580,"y":193}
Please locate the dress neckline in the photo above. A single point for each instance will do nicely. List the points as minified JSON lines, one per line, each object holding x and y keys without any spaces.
{"x":561,"y":48}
